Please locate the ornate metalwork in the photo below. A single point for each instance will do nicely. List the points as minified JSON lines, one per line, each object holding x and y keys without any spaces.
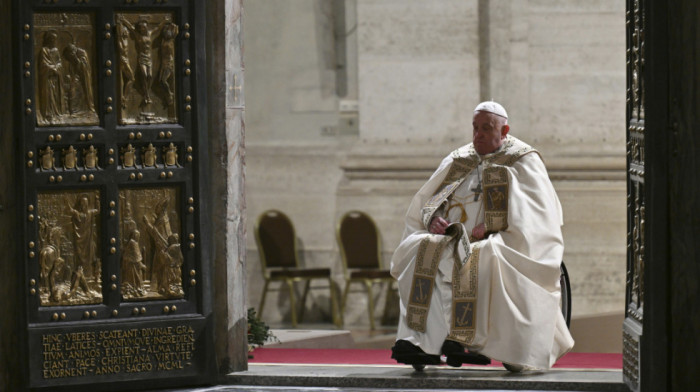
{"x":128,"y":157}
{"x":630,"y":359}
{"x":70,"y":158}
{"x":149,"y":155}
{"x":146,"y":49}
{"x":47,"y":161}
{"x":69,"y":248}
{"x":170,"y":155}
{"x":636,"y":159}
{"x":636,"y":222}
{"x":152,"y":258}
{"x":65,"y":59}
{"x":636,"y":60}
{"x":90,"y":159}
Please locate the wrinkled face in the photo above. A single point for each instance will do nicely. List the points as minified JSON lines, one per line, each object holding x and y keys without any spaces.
{"x":489,"y":132}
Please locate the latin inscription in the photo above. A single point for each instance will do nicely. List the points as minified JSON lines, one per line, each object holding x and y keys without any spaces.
{"x":120,"y":351}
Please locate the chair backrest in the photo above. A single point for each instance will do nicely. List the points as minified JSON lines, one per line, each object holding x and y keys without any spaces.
{"x":359,"y":241}
{"x":274,"y":233}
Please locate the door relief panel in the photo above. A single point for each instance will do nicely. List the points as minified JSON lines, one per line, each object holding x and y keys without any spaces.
{"x":65,"y":88}
{"x":69,"y":247}
{"x":145,"y":45}
{"x":151,"y":257}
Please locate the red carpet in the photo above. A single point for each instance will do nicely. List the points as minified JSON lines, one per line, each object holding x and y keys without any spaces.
{"x":383,"y":357}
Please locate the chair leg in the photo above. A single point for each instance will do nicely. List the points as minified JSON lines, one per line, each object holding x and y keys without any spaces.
{"x":262,"y":300}
{"x":292,"y":302}
{"x":370,"y":303}
{"x":303,"y":299}
{"x":337,"y":320}
{"x":389,"y":289}
{"x":344,"y":301}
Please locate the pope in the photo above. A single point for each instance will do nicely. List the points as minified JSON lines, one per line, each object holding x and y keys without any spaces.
{"x":478,"y":267}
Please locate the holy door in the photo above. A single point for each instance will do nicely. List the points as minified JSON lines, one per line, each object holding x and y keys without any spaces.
{"x":660,"y":332}
{"x":636,"y":209}
{"x":113,"y":147}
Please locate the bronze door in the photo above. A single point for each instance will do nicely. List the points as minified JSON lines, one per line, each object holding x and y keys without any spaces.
{"x":634,"y":305}
{"x":113,"y":137}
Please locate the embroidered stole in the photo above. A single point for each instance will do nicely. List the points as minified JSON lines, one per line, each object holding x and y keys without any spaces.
{"x":465,"y":272}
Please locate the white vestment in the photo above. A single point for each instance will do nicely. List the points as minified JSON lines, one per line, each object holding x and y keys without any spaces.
{"x":516,"y":317}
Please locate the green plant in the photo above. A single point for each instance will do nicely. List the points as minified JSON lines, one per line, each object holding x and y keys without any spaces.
{"x":258,"y":331}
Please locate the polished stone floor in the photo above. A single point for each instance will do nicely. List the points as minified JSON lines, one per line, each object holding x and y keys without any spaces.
{"x":287,"y":378}
{"x":390,"y":378}
{"x":315,"y":389}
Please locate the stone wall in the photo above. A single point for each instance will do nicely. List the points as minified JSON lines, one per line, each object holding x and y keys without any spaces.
{"x":557,"y":66}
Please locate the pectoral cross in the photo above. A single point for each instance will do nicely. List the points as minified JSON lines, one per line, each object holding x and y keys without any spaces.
{"x":477,"y":191}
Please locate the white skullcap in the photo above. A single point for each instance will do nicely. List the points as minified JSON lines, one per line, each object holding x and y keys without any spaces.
{"x":491,"y":107}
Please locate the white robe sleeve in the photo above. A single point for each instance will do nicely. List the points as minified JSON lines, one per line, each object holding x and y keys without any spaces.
{"x":519,"y":319}
{"x":414,"y":223}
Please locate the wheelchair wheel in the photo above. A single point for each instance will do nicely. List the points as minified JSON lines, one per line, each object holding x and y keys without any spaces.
{"x":565,"y":294}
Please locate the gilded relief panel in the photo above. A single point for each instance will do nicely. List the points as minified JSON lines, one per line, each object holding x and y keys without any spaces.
{"x":145,"y":44}
{"x":151,"y":256}
{"x":69,"y":247}
{"x":66,"y":83}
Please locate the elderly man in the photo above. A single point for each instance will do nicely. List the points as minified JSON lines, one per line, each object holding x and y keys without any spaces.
{"x":478,"y":266}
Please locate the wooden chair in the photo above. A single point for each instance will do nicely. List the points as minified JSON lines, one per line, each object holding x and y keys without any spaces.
{"x":361,"y":252}
{"x":277,"y":245}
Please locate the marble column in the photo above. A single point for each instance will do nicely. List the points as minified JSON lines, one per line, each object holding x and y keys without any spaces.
{"x":226,"y":153}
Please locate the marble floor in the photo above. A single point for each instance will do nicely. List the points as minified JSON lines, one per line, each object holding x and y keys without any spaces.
{"x":351,"y":378}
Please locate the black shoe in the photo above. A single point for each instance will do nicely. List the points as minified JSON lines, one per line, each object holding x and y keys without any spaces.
{"x":456,"y":355}
{"x":405,"y":352}
{"x":513,"y":368}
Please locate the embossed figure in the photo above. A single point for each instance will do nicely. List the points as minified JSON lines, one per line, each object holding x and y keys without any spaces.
{"x":128,"y":221}
{"x":125,"y":70}
{"x":132,"y":266}
{"x":90,"y":157}
{"x":80,"y":97}
{"x":49,"y":255}
{"x":174,"y":260}
{"x":50,"y":89}
{"x":159,"y":281}
{"x":55,"y":278}
{"x":170,"y":155}
{"x":78,"y":281}
{"x":128,"y":156}
{"x":84,"y":232}
{"x":167,"y":61}
{"x":70,"y":158}
{"x":161,"y":233}
{"x":149,"y":155}
{"x":47,"y":162}
{"x":143,"y":43}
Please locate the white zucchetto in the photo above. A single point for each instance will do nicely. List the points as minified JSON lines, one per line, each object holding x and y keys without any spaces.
{"x":491,"y":107}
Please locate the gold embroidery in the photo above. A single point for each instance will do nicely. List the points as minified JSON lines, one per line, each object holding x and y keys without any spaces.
{"x":496,"y":201}
{"x":460,"y":168}
{"x":465,"y":285}
{"x":426,"y":268}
